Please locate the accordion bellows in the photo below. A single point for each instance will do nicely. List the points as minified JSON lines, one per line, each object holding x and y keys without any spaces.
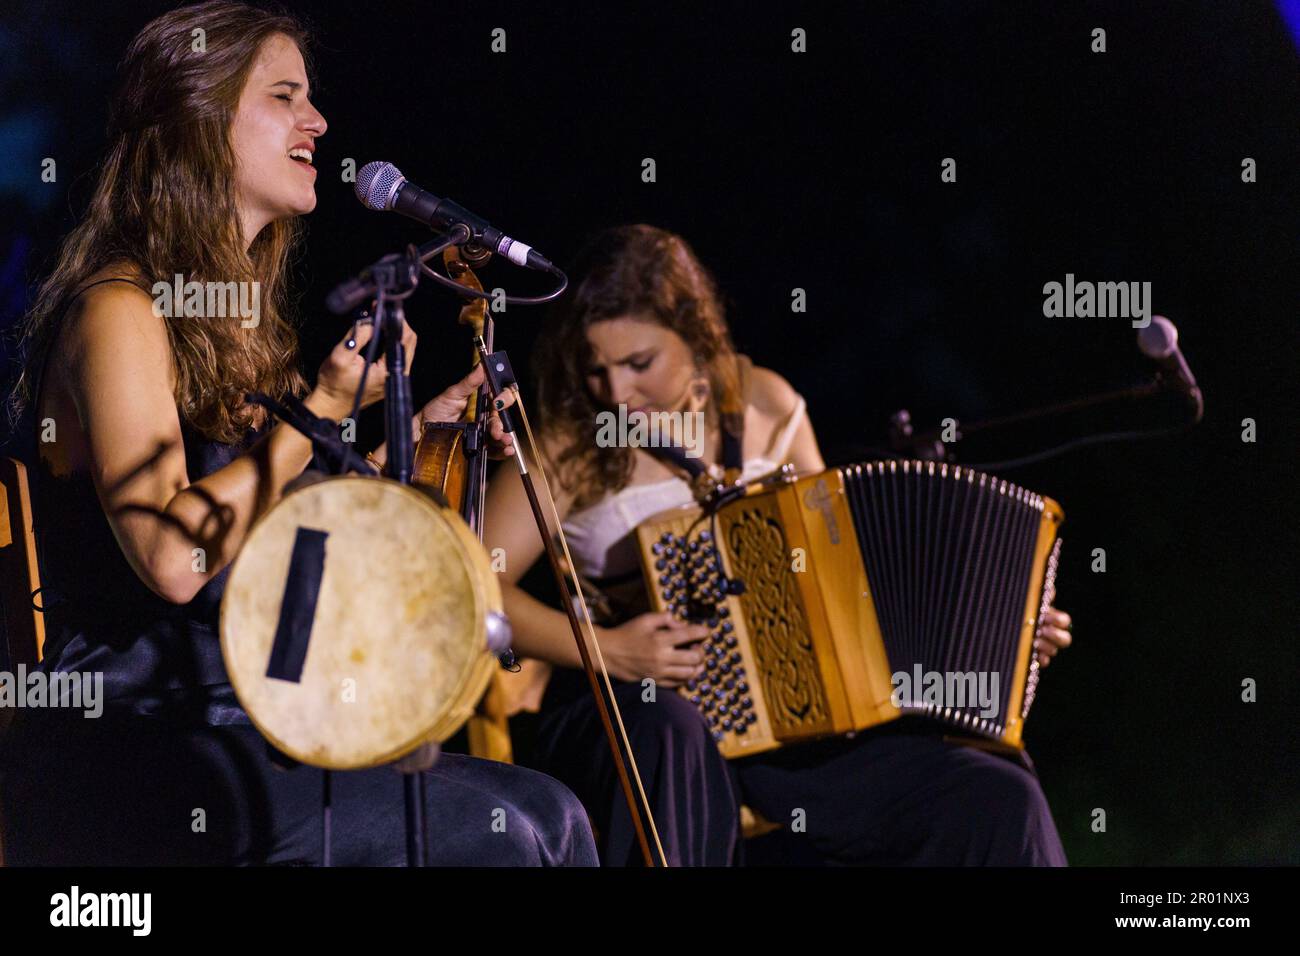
{"x":865,"y":592}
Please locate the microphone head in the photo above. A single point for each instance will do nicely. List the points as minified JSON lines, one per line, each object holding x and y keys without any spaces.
{"x":377,"y":184}
{"x":1158,"y":340}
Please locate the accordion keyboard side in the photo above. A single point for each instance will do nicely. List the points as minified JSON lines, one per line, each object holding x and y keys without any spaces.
{"x":727,"y":694}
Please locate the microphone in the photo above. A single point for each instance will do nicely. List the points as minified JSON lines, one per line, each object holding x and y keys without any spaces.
{"x":1159,"y":342}
{"x":382,"y":187}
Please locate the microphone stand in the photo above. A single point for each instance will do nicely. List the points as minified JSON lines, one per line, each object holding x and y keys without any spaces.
{"x":395,"y":277}
{"x":930,"y":446}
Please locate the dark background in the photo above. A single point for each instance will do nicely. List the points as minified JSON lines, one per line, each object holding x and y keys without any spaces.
{"x":821,"y":171}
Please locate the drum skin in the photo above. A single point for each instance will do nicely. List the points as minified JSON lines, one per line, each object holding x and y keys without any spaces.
{"x":397,"y":655}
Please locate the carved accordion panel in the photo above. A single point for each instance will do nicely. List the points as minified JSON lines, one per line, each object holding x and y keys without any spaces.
{"x":759,"y":555}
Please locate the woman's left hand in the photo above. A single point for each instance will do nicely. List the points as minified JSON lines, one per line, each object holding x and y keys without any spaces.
{"x":450,"y":406}
{"x":1053,"y":634}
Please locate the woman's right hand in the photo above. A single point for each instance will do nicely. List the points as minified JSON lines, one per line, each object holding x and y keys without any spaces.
{"x":340,"y":373}
{"x":650,"y":645}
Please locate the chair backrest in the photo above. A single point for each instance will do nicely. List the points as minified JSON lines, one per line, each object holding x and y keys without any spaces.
{"x":20,"y":579}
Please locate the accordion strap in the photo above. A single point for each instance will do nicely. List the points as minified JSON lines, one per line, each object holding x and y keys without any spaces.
{"x":701,"y":480}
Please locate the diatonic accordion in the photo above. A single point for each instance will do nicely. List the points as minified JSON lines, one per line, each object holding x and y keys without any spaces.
{"x":864,"y":593}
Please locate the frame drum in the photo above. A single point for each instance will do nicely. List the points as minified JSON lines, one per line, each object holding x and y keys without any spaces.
{"x":377,"y":641}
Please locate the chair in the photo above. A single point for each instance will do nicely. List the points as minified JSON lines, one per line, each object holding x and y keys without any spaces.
{"x":19,"y":574}
{"x":20,"y":579}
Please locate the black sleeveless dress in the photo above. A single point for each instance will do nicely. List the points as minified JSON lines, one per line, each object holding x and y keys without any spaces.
{"x":164,"y":766}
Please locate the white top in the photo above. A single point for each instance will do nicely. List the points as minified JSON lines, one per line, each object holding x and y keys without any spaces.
{"x":601,"y":536}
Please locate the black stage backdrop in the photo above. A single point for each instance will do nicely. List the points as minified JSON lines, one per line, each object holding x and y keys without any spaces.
{"x":822,"y":171}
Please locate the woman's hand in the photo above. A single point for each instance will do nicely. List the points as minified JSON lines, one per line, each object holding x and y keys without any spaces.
{"x":340,"y":373}
{"x":1053,"y":634}
{"x":650,"y":646}
{"x":450,"y":406}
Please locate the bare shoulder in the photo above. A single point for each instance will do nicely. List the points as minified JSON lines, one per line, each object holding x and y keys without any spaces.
{"x":770,"y":394}
{"x":116,"y":319}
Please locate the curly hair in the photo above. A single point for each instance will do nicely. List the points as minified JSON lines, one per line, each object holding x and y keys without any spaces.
{"x":164,"y":204}
{"x":640,"y":271}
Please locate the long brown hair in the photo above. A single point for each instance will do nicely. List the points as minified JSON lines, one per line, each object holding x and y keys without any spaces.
{"x":165,"y":205}
{"x":640,"y":271}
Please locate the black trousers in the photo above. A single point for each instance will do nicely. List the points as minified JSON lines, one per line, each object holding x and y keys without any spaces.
{"x":896,"y":795}
{"x":139,"y":792}
{"x":685,"y":778}
{"x":901,"y":795}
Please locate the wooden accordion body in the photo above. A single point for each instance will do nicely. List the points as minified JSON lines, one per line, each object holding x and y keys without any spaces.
{"x":853,"y":576}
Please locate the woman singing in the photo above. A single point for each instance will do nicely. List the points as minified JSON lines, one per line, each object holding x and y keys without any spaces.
{"x":644,"y":329}
{"x":151,"y":469}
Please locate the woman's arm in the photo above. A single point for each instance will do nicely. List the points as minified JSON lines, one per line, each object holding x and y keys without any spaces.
{"x":450,"y":406}
{"x":176,"y":534}
{"x":775,"y":399}
{"x":540,"y":631}
{"x":649,"y":645}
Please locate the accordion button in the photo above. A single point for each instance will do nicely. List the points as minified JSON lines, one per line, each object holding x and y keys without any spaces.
{"x":747,"y":702}
{"x":706,"y":536}
{"x":741,"y":728}
{"x":752,"y":717}
{"x":735,"y":657}
{"x":691,"y":684}
{"x":731,"y":640}
{"x":713,"y":621}
{"x":742,"y":686}
{"x":705,"y":687}
{"x":717,"y":735}
{"x":724,"y":611}
{"x":661,"y":564}
{"x":656,"y":548}
{"x":726,"y":723}
{"x":695,"y":699}
{"x":730,"y":683}
{"x":727,"y":627}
